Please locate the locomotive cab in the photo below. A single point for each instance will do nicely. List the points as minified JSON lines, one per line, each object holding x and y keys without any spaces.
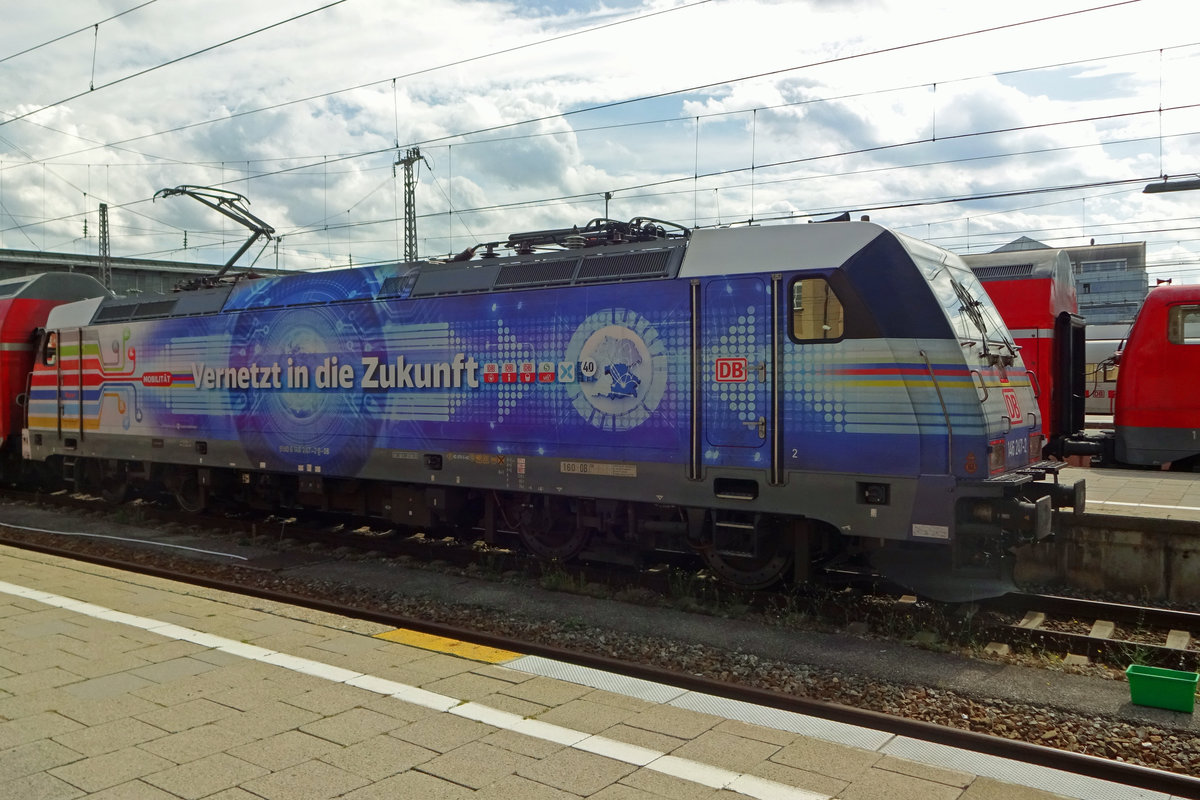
{"x":1157,"y":416}
{"x":25,"y":303}
{"x":908,"y":418}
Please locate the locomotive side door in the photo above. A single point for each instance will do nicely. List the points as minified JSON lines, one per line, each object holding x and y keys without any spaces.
{"x":736,"y":369}
{"x":69,"y":381}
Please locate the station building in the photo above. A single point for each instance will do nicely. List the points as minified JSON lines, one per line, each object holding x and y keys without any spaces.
{"x":130,"y":276}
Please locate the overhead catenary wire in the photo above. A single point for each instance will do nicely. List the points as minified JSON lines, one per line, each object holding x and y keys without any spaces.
{"x":626,"y":189}
{"x":683,"y":179}
{"x":643,"y":98}
{"x":637,"y":187}
{"x":5,"y":119}
{"x":90,"y":26}
{"x":463,"y":61}
{"x":156,"y":67}
{"x":787,"y":162}
{"x":344,"y":90}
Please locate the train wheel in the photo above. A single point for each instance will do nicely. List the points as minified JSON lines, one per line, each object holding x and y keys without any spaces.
{"x":762,"y":558}
{"x":190,"y":496}
{"x":547,"y":527}
{"x":115,"y":490}
{"x":91,"y":477}
{"x":1189,"y":464}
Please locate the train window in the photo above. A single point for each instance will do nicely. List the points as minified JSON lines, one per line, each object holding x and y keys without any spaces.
{"x":50,"y":350}
{"x":1183,"y":325}
{"x":817,"y":314}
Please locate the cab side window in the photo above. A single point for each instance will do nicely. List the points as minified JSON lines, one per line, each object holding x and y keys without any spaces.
{"x":1183,"y":325}
{"x":817,"y":314}
{"x":50,"y":350}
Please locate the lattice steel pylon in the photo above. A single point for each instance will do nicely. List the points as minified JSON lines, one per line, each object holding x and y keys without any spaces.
{"x":411,"y":157}
{"x":105,"y":262}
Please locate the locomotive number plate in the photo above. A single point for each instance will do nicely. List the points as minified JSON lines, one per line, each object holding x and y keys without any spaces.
{"x":592,"y":468}
{"x":931,"y":531}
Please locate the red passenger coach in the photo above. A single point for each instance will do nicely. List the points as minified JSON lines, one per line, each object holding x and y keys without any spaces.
{"x":1034,"y":291}
{"x":1157,"y":415}
{"x":24,"y":304}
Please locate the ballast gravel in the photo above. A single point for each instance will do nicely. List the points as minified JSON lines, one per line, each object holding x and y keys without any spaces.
{"x":1032,"y":699}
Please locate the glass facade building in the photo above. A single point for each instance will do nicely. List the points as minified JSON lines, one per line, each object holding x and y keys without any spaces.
{"x":1110,"y":279}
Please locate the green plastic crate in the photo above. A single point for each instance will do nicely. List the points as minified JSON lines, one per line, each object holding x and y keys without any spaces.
{"x":1162,"y":688}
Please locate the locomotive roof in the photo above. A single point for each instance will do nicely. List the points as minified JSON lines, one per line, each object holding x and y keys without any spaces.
{"x":52,"y":286}
{"x":1021,"y":264}
{"x":708,"y":252}
{"x":1166,"y":294}
{"x":732,"y":251}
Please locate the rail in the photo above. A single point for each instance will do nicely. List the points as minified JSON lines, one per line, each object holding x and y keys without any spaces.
{"x":1076,"y":763}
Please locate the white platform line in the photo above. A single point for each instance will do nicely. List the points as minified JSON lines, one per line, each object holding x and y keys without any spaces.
{"x":1142,"y":505}
{"x":705,"y":774}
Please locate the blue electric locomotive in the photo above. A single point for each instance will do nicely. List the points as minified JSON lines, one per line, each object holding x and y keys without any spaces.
{"x":767,"y":396}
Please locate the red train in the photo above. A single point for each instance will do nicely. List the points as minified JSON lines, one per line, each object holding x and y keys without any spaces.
{"x":1157,"y":413}
{"x":1034,"y":290}
{"x":25,"y":303}
{"x":1156,"y":410}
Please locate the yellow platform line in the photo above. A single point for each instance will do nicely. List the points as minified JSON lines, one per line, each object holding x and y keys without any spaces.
{"x":442,"y":644}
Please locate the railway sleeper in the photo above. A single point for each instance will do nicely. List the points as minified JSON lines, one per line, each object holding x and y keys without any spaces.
{"x":1113,"y":652}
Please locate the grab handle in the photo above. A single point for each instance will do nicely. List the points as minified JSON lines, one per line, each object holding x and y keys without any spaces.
{"x":981,"y":385}
{"x":1037,"y":385}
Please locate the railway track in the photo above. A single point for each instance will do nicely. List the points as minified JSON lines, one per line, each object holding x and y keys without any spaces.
{"x":1111,"y":770}
{"x":1079,"y":630}
{"x":1116,"y":634}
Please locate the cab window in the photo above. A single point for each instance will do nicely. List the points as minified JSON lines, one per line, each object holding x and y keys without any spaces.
{"x":50,"y":349}
{"x":817,"y":314}
{"x":1183,"y":325}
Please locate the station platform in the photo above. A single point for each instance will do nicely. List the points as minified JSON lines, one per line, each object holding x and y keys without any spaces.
{"x":1149,"y":494}
{"x":121,"y":686}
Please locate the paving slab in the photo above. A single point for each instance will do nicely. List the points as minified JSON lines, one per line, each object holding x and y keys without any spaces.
{"x":379,"y":757}
{"x":827,"y":758}
{"x":477,"y":764}
{"x":352,"y":726}
{"x":725,"y":750}
{"x":312,"y":780}
{"x":110,"y":769}
{"x":109,"y":736}
{"x":33,"y":757}
{"x":182,"y":710}
{"x":442,"y":733}
{"x":205,"y":776}
{"x":576,"y":772}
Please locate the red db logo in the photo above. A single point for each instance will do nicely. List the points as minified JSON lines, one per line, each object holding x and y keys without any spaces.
{"x":1011,"y":405}
{"x":731,"y":370}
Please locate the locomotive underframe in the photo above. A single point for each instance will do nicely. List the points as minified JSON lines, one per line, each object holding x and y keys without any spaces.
{"x":750,"y":532}
{"x":1179,"y":447}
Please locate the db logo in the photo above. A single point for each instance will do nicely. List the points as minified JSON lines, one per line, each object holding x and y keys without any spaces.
{"x":731,"y":370}
{"x":1010,"y":403}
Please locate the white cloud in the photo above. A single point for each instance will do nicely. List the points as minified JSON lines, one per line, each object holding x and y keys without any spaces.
{"x":843,"y":132}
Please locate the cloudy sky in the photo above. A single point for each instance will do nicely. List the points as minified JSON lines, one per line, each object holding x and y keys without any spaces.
{"x":966,"y":124}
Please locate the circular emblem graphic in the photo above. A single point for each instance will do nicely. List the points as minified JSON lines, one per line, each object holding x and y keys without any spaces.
{"x":332,"y":430}
{"x":621,"y":369}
